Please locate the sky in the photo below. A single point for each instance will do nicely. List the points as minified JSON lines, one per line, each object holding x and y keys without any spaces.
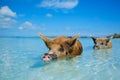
{"x":59,"y":17}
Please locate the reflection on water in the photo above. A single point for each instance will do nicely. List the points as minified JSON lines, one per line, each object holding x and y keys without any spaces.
{"x":104,"y":54}
{"x":20,"y":59}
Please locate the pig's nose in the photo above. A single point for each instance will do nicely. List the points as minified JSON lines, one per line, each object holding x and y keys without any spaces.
{"x":46,"y":57}
{"x":96,"y":47}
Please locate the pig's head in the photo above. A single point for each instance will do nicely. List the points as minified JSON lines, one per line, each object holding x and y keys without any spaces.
{"x":58,"y":47}
{"x":102,"y":43}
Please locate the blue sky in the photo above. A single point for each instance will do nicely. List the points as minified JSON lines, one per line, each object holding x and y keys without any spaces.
{"x":59,"y":17}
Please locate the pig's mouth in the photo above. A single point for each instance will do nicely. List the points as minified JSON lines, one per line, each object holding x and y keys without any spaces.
{"x":49,"y":57}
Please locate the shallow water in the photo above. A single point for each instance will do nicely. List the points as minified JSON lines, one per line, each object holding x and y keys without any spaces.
{"x":20,"y":59}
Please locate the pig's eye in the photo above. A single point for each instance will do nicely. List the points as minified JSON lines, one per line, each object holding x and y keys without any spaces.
{"x":61,"y":49}
{"x":101,"y":43}
{"x":49,"y":48}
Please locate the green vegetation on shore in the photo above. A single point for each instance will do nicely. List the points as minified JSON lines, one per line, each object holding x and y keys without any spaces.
{"x":114,"y":36}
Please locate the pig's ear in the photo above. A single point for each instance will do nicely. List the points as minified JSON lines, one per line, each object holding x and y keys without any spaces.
{"x":94,"y":39}
{"x":72,"y":40}
{"x":46,"y":40}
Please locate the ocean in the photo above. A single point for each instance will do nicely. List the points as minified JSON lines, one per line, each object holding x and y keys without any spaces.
{"x":20,"y":59}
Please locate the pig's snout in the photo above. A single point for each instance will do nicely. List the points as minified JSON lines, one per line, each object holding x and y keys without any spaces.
{"x":48,"y":57}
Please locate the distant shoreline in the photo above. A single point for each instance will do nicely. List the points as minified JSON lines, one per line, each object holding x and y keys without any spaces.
{"x":114,"y":36}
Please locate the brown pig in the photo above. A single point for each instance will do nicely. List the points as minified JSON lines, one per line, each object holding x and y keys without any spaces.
{"x":61,"y":46}
{"x":102,"y":43}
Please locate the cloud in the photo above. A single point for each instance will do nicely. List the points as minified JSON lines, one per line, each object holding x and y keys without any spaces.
{"x":6,"y":11}
{"x":49,"y":15}
{"x":7,"y":22}
{"x":58,"y":4}
{"x":7,"y":17}
{"x":27,"y":25}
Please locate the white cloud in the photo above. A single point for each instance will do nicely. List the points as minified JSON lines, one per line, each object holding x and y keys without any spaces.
{"x":6,"y":11}
{"x":7,"y":17}
{"x":49,"y":15}
{"x":59,"y":4}
{"x":7,"y":22}
{"x":27,"y":25}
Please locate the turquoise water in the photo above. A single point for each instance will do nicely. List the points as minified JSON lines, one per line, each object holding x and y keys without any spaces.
{"x":20,"y":59}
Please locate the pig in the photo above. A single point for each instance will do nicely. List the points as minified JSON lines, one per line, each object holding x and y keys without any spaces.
{"x":102,"y":43}
{"x":61,"y":46}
